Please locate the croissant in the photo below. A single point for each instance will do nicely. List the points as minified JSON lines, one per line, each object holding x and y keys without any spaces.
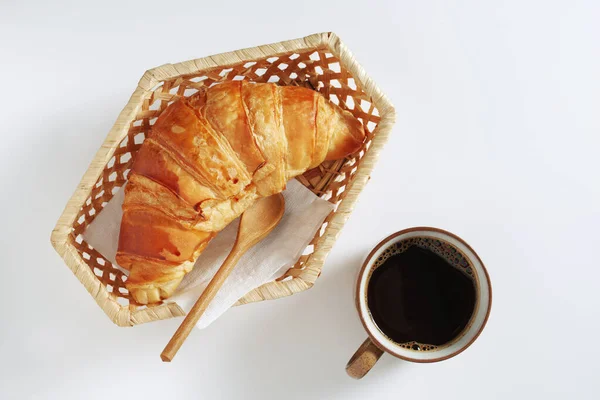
{"x":207,"y":159}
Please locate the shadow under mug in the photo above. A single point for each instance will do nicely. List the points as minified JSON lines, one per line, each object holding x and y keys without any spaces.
{"x":377,"y":343}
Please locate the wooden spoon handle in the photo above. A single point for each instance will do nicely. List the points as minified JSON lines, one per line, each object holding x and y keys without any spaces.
{"x":198,"y":309}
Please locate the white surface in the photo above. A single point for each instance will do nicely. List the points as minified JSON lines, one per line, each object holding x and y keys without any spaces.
{"x":497,"y":140}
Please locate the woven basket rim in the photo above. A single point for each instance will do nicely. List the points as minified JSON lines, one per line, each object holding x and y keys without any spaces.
{"x":127,"y":316}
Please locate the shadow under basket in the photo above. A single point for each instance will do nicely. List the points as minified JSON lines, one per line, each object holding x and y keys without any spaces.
{"x":319,"y":61}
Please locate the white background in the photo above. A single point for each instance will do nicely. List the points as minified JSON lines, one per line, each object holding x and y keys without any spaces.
{"x":497,"y":140}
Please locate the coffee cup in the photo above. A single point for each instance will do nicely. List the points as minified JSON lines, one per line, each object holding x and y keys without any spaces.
{"x":423,"y":295}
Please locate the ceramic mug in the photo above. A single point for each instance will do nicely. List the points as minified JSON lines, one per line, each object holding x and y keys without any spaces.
{"x":446,"y":245}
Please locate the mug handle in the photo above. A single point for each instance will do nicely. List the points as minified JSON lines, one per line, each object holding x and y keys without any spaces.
{"x":363,"y":359}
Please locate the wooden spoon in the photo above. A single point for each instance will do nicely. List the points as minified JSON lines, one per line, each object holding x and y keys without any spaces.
{"x":255,"y":224}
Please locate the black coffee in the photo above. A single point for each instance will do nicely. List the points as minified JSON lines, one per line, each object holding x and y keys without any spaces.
{"x":417,"y":296}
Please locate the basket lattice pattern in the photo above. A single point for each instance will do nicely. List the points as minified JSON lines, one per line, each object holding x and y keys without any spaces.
{"x":316,"y":66}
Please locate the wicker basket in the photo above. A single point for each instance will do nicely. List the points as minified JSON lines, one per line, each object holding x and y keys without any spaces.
{"x":320,"y":61}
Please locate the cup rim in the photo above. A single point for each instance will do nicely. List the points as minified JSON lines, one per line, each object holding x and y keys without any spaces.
{"x":368,"y":264}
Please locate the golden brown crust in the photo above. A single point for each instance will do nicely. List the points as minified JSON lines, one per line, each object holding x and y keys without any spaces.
{"x":263,"y":108}
{"x":157,"y":164}
{"x":347,"y":137}
{"x":224,"y":110}
{"x":185,"y":134}
{"x":207,"y":159}
{"x":325,"y":128}
{"x":299,"y":121}
{"x":149,"y":233}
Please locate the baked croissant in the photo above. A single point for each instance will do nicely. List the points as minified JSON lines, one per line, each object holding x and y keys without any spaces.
{"x":207,"y":159}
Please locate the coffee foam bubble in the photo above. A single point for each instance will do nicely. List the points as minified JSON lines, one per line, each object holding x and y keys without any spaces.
{"x":416,"y":346}
{"x":439,"y":247}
